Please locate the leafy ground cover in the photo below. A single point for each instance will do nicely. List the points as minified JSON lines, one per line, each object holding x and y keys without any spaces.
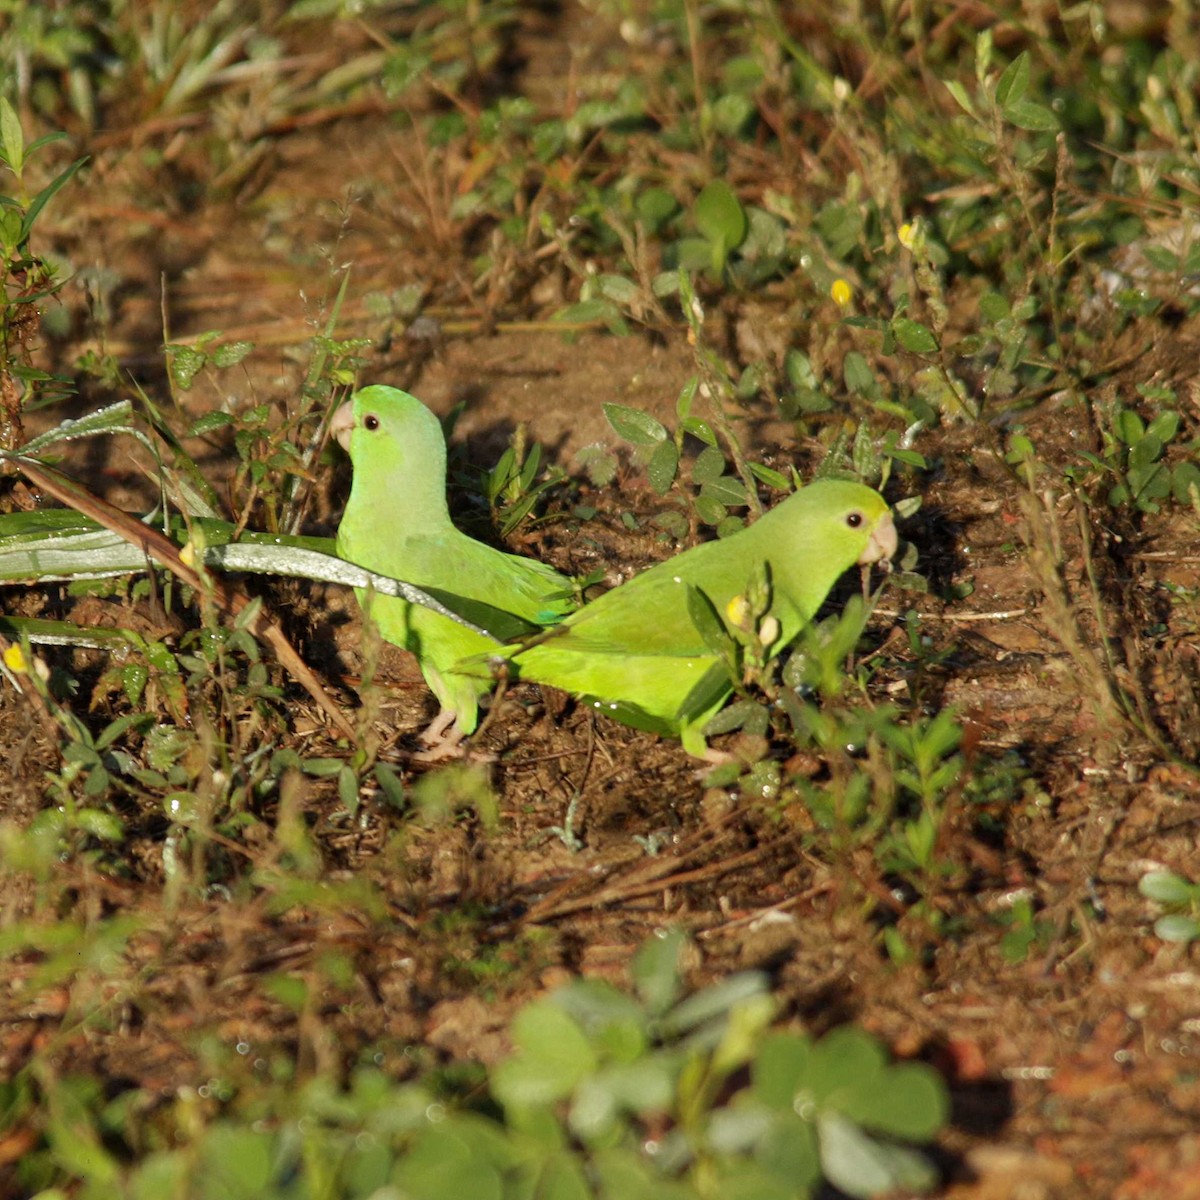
{"x":931,"y":928}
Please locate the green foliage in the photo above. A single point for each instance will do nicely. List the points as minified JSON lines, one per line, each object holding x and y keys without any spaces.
{"x":1180,"y":898}
{"x":593,"y":1070}
{"x":28,"y":280}
{"x":722,"y":225}
{"x":512,"y":487}
{"x":1026,"y":934}
{"x":713,"y":491}
{"x":1135,"y":464}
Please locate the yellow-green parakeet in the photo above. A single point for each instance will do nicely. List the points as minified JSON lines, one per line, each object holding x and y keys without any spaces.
{"x":636,"y":653}
{"x":397,"y":523}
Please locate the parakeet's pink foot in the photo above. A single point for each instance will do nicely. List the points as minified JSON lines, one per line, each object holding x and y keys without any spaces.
{"x":442,"y":737}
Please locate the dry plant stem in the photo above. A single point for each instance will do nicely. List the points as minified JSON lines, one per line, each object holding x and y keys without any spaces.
{"x":649,"y":876}
{"x":162,"y":550}
{"x":713,"y":380}
{"x":490,"y":716}
{"x":1007,"y":614}
{"x":1134,"y":662}
{"x":1041,"y":533}
{"x":696,"y":52}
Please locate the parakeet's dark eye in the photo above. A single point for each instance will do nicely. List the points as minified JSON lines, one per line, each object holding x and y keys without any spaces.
{"x":854,"y":519}
{"x":370,"y":422}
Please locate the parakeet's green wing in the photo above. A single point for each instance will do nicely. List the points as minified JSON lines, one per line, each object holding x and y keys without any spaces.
{"x":657,"y":625}
{"x":506,"y":595}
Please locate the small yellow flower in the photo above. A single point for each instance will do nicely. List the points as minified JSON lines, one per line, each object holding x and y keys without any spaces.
{"x":907,"y":234}
{"x":187,"y":555}
{"x":841,"y":293}
{"x":738,"y":611}
{"x":15,"y":661}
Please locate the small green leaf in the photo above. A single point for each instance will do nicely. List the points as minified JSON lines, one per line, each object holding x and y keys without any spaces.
{"x":710,"y":510}
{"x":772,"y":478}
{"x":597,"y":311}
{"x":911,"y":1103}
{"x":959,"y":93}
{"x":663,"y":465}
{"x":699,"y":429}
{"x":231,"y":354}
{"x":994,"y":307}
{"x":716,"y":1000}
{"x":790,"y":1152}
{"x":857,"y":373}
{"x":672,"y":523}
{"x":909,"y":457}
{"x":1165,"y":887}
{"x":708,"y":624}
{"x":846,"y":1061}
{"x":656,"y":970}
{"x":1036,"y":118}
{"x":390,"y":785}
{"x":687,"y":397}
{"x":236,"y":1160}
{"x":719,"y":215}
{"x":12,"y":137}
{"x":1165,"y":426}
{"x":1128,"y":426}
{"x":210,"y":421}
{"x":709,"y":465}
{"x":553,"y":1057}
{"x":744,"y":714}
{"x":1014,"y":82}
{"x":613,"y":287}
{"x":185,"y":363}
{"x":727,"y":489}
{"x":347,"y":785}
{"x":98,"y":823}
{"x":780,"y":1068}
{"x":1185,"y":483}
{"x":634,"y":425}
{"x":914,"y":336}
{"x":863,"y":1167}
{"x":1177,"y":927}
{"x":43,"y":198}
{"x":654,"y":207}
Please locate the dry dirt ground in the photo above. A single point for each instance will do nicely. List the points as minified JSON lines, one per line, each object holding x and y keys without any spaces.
{"x":1074,"y":1072}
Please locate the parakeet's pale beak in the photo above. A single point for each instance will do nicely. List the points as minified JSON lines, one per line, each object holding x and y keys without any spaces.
{"x":882,"y":544}
{"x":341,"y":425}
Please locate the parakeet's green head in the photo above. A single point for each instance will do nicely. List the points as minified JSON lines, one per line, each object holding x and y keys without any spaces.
{"x":855,"y":517}
{"x":399,"y":455}
{"x":828,"y":526}
{"x":389,"y":432}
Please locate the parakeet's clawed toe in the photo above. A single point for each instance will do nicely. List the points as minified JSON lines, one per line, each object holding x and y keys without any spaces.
{"x":442,"y":737}
{"x":435,"y":732}
{"x":442,"y":752}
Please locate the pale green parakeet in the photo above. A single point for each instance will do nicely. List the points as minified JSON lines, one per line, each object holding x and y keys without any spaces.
{"x":397,"y":523}
{"x":636,"y":654}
